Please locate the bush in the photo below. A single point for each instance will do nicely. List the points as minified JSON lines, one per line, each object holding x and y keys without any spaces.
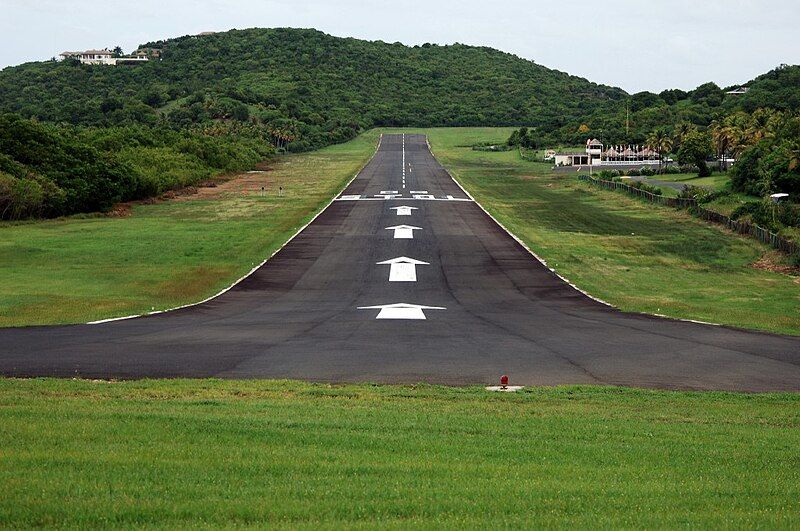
{"x":769,"y":215}
{"x":645,"y":187}
{"x":635,"y":172}
{"x":608,"y":175}
{"x":647,"y":172}
{"x":28,"y":197}
{"x":700,"y":194}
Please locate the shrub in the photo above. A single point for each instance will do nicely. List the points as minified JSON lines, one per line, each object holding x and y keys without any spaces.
{"x":639,"y":185}
{"x":607,"y":175}
{"x":647,"y":172}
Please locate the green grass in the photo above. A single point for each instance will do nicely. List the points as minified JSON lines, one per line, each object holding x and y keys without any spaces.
{"x":286,"y":454}
{"x":716,"y":182}
{"x":167,"y":254}
{"x":635,"y":255}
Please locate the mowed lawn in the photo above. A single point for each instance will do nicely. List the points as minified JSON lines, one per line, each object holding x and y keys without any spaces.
{"x":634,"y":255}
{"x":166,"y":254}
{"x":288,"y":454}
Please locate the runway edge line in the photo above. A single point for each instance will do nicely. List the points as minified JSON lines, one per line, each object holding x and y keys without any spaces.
{"x":543,"y":261}
{"x":256,"y":268}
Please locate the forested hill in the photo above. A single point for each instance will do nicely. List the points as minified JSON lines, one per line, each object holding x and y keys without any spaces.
{"x":321,"y":88}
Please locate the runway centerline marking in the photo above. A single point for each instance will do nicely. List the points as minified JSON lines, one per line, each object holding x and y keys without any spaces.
{"x":404,"y":161}
{"x":403,"y":269}
{"x":403,"y":232}
{"x":401,"y":310}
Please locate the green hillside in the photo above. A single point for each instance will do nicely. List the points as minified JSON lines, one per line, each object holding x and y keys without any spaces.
{"x":323,"y":88}
{"x":633,"y":118}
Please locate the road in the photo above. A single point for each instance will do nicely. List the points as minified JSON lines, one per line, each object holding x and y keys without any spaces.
{"x":433,"y":292}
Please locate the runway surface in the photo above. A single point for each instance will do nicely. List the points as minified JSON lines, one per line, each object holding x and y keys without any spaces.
{"x":405,"y":279}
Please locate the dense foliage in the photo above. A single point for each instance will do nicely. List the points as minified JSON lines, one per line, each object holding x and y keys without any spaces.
{"x":48,"y":170}
{"x":318,"y":88}
{"x":767,"y":148}
{"x":634,"y":118}
{"x":523,"y":137}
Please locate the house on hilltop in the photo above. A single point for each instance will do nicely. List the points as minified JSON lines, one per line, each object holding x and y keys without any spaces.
{"x":91,"y":57}
{"x":740,"y":90}
{"x":104,"y":57}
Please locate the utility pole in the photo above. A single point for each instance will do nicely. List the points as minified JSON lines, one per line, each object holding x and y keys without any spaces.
{"x":627,"y":118}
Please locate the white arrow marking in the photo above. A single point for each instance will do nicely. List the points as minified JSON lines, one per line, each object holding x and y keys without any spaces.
{"x":401,"y":311}
{"x":403,"y":269}
{"x":403,"y":210}
{"x":403,"y":232}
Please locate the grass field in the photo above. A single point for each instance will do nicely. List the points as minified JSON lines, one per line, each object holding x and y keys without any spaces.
{"x":286,"y":454}
{"x":718,"y":181}
{"x":166,"y":254}
{"x":637,"y":256}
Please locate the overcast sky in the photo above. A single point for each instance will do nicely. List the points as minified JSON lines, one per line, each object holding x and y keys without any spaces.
{"x":633,"y":44}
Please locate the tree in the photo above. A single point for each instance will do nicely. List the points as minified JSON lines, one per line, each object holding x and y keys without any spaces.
{"x":720,"y":135}
{"x":696,"y":148}
{"x":681,"y":130}
{"x":794,"y":154}
{"x":660,"y":141}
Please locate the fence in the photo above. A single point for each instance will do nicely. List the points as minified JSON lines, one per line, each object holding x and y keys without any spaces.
{"x":741,"y":227}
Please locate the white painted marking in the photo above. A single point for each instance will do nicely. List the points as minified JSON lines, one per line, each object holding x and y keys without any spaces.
{"x":403,"y":198}
{"x":404,"y":161}
{"x":388,"y":192}
{"x":403,"y":269}
{"x":403,"y":210}
{"x":403,"y":232}
{"x":418,"y":192}
{"x":401,"y":311}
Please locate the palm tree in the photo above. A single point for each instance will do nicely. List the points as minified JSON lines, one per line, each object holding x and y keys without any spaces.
{"x":794,"y":155}
{"x":682,"y":129}
{"x":760,"y":125}
{"x":660,"y":141}
{"x":721,"y":134}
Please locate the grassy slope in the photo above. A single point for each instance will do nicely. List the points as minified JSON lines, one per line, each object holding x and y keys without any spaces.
{"x":167,"y":254}
{"x":634,"y":255}
{"x":184,"y":453}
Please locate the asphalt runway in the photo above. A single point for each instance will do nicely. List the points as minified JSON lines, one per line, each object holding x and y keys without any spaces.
{"x":436,"y":292}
